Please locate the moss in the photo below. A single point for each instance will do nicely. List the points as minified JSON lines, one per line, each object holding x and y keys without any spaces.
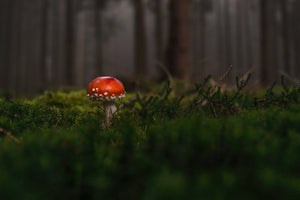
{"x":158,"y":147}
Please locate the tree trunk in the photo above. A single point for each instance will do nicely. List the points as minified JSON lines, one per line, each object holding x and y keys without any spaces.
{"x":98,"y":29}
{"x":178,"y":55}
{"x":5,"y":24}
{"x":140,"y":41}
{"x":44,"y":36}
{"x":220,"y":34}
{"x":69,"y":42}
{"x":80,"y":49}
{"x":55,"y":42}
{"x":90,"y":41}
{"x":159,"y":33}
{"x":22,"y":72}
{"x":296,"y":38}
{"x":203,"y":10}
{"x":228,"y":45}
{"x":248,"y":43}
{"x":265,"y":44}
{"x":61,"y":52}
{"x":286,"y":37}
{"x":197,"y":38}
{"x":240,"y":36}
{"x":276,"y":53}
{"x":14,"y":45}
{"x":32,"y":47}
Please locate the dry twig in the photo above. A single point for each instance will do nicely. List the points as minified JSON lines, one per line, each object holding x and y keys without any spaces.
{"x":9,"y":135}
{"x":212,"y":90}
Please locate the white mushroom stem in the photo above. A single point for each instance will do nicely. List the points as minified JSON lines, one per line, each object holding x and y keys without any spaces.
{"x":109,"y":109}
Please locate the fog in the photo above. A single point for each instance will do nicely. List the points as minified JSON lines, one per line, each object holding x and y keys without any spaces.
{"x":58,"y":43}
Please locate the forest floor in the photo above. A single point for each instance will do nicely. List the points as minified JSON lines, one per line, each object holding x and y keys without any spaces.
{"x":208,"y":144}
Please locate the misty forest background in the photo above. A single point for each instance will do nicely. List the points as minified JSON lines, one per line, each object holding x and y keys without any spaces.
{"x":60,"y":43}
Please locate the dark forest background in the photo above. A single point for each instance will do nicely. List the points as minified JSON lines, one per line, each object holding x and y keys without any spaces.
{"x":55,"y":43}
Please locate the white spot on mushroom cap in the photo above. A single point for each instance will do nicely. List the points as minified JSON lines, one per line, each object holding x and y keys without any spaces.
{"x":104,"y":97}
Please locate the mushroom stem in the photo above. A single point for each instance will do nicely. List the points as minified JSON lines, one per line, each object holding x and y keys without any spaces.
{"x":109,"y":109}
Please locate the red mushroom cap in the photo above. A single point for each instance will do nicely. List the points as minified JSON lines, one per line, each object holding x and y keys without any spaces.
{"x":105,"y":89}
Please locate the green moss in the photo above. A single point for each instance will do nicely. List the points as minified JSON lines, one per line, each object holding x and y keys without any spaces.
{"x":159,"y":147}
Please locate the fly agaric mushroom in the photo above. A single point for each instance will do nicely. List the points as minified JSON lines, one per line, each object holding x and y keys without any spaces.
{"x":107,"y":89}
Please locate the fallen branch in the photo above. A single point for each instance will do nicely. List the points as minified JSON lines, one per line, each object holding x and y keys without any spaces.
{"x":212,"y":90}
{"x":9,"y":135}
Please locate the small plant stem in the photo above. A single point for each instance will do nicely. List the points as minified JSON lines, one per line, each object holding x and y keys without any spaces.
{"x":9,"y":135}
{"x":213,"y":110}
{"x":212,"y":90}
{"x":109,"y":109}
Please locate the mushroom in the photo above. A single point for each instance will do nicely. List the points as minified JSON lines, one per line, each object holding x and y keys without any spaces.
{"x":107,"y":89}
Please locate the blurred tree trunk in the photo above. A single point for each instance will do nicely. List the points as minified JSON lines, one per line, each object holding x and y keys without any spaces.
{"x":58,"y":42}
{"x":203,"y":10}
{"x":248,"y":37}
{"x":87,"y":41}
{"x":5,"y":24}
{"x":24,"y":35}
{"x":98,"y":29}
{"x":276,"y":53}
{"x":44,"y":36}
{"x":265,"y":43}
{"x":196,"y":44}
{"x":140,"y":41}
{"x":240,"y":36}
{"x":69,"y":14}
{"x":296,"y":34}
{"x":228,"y":45}
{"x":286,"y":36}
{"x":35,"y":49}
{"x":62,"y":56}
{"x":220,"y":34}
{"x":14,"y":45}
{"x":79,"y":72}
{"x":49,"y":44}
{"x":159,"y":33}
{"x":178,"y":53}
{"x":90,"y":40}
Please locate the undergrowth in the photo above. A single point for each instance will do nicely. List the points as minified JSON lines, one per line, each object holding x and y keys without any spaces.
{"x":210,"y":144}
